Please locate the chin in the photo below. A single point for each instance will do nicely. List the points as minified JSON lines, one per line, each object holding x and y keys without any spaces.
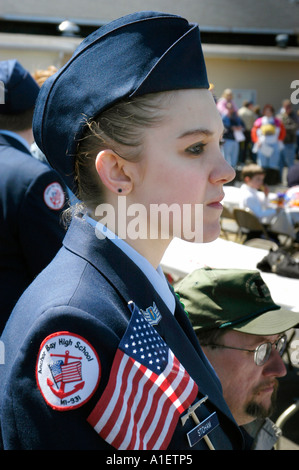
{"x":212,"y":233}
{"x":205,"y":238}
{"x":202,"y":233}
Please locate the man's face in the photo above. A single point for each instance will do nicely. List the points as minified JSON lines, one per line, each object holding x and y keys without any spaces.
{"x":248,"y":389}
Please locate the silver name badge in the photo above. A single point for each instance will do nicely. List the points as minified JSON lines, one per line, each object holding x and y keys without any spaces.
{"x":202,"y":429}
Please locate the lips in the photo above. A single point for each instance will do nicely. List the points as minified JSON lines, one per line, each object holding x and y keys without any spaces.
{"x":216,"y":203}
{"x":268,"y":387}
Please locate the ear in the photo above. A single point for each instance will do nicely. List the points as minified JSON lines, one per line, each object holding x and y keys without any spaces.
{"x":114,"y":172}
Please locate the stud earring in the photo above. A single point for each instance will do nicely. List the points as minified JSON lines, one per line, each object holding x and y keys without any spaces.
{"x":119,"y":190}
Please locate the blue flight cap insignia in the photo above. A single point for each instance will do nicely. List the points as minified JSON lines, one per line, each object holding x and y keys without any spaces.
{"x":152,"y":314}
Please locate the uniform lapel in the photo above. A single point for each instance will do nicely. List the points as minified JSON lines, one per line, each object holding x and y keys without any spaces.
{"x":132,"y":285}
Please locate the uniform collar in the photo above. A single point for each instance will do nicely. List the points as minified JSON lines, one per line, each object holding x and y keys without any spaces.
{"x":17,"y":137}
{"x":155,"y":276}
{"x":249,"y":188}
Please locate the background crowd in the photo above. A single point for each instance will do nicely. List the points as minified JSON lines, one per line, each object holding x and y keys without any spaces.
{"x":266,"y":139}
{"x":264,"y":136}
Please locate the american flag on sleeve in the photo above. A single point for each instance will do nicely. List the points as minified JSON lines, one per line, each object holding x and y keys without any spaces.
{"x":147,"y":391}
{"x":66,"y":372}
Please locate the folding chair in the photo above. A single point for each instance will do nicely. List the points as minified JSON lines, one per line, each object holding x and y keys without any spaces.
{"x":247,"y":223}
{"x":261,"y":243}
{"x":228,"y":223}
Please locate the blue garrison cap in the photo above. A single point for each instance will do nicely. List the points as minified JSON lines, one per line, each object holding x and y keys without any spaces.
{"x":140,"y":53}
{"x":20,"y":88}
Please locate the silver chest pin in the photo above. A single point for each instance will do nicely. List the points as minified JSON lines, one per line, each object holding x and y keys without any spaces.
{"x":202,"y":428}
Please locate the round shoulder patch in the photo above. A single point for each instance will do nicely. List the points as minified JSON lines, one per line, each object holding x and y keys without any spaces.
{"x":54,"y":196}
{"x":68,"y":370}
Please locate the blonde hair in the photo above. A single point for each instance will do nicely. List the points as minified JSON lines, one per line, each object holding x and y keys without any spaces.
{"x":119,"y":128}
{"x":227,"y":92}
{"x":41,"y":75}
{"x":251,"y":170}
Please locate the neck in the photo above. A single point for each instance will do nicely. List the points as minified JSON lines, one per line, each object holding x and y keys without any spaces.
{"x":152,"y":250}
{"x":250,"y":185}
{"x":27,"y":135}
{"x":133,"y":229}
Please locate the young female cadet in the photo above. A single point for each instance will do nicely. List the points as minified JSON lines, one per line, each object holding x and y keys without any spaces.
{"x":99,"y":353}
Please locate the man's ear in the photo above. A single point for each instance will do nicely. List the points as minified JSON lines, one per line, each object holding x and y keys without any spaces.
{"x":114,"y":171}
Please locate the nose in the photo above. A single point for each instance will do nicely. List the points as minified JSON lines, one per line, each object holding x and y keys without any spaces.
{"x":222,"y":171}
{"x":275,"y":366}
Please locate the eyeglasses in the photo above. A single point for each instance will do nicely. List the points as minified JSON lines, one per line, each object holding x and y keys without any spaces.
{"x":262,"y":352}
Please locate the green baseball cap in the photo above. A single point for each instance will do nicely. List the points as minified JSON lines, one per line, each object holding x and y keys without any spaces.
{"x":233,"y":298}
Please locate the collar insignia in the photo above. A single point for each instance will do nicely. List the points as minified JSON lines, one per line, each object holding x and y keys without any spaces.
{"x":152,"y":314}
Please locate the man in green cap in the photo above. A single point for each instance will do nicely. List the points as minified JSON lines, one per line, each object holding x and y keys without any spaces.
{"x":243,"y":334}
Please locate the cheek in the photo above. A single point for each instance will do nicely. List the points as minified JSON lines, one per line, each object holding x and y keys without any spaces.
{"x":184,"y":185}
{"x":235,"y":388}
{"x":170,"y":178}
{"x":239,"y":383}
{"x":228,"y":368}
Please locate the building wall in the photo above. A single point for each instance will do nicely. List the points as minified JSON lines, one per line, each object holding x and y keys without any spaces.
{"x":33,"y":60}
{"x":37,"y":52}
{"x":265,"y":80}
{"x":270,"y":80}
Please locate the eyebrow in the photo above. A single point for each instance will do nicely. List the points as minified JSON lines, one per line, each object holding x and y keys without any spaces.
{"x":265,"y":339}
{"x":195,"y":132}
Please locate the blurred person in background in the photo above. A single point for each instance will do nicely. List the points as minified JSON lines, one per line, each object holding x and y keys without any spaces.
{"x":267,"y":135}
{"x":32,"y":196}
{"x":290,"y":121}
{"x":248,"y":116}
{"x":227,"y":97}
{"x":233,"y":135}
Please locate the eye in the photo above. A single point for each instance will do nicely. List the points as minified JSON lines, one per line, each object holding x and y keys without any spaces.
{"x":221,"y":142}
{"x":196,"y":149}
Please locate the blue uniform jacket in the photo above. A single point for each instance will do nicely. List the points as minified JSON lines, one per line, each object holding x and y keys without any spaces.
{"x":85,"y":290}
{"x":31,"y":231}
